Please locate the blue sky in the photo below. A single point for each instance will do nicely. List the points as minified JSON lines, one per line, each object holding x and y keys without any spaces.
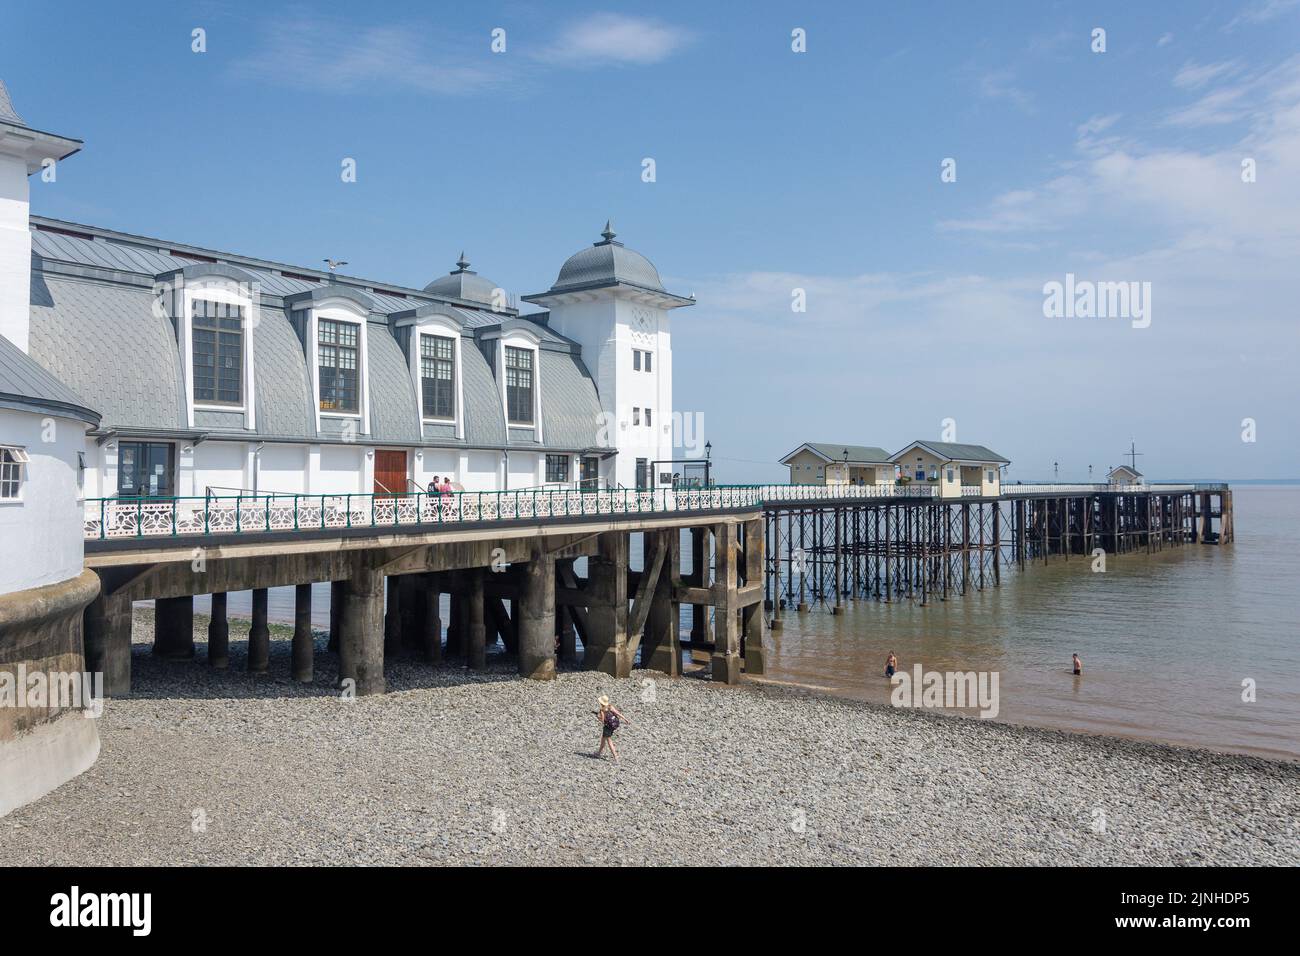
{"x":775,"y":171}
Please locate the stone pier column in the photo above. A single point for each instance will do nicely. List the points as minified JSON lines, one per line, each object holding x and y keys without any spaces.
{"x":393,"y":618}
{"x":219,"y":634}
{"x":606,"y":648}
{"x":535,"y":612}
{"x":362,"y":645}
{"x":337,"y":590}
{"x":173,"y":628}
{"x":726,"y":648}
{"x":431,"y":635}
{"x":303,"y":645}
{"x":259,"y":635}
{"x":661,"y":644}
{"x":474,"y":636}
{"x":107,"y":640}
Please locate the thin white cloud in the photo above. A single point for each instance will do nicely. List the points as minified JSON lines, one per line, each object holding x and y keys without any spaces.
{"x":999,"y":85}
{"x":311,"y":53}
{"x":1165,"y":39}
{"x":612,"y":38}
{"x":1262,"y":12}
{"x":1193,"y":75}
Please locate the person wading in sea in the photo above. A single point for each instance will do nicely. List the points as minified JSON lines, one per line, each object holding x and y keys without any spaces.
{"x":1078,"y":665}
{"x":891,"y":664}
{"x":610,"y":719}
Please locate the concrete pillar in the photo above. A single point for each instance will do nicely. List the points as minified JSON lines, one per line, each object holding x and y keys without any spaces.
{"x":337,"y":590}
{"x":303,"y":645}
{"x":726,"y":647}
{"x":753,"y":618}
{"x":535,"y":615}
{"x":393,"y":618}
{"x":431,"y":635}
{"x":219,"y":634}
{"x":661,"y":645}
{"x":173,"y":628}
{"x":362,"y":645}
{"x":259,"y":635}
{"x":107,"y":637}
{"x":606,"y":648}
{"x":474,"y":637}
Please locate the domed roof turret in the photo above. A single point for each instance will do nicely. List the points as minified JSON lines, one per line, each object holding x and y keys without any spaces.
{"x":607,"y":262}
{"x":463,"y":284}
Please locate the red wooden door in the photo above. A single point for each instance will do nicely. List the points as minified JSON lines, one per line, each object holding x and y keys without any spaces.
{"x":390,"y":472}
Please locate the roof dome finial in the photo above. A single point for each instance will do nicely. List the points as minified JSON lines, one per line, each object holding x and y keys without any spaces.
{"x":462,"y":264}
{"x":608,"y":234}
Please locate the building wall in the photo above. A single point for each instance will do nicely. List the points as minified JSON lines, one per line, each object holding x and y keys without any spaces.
{"x":15,"y":252}
{"x":807,"y":469}
{"x":42,"y":532}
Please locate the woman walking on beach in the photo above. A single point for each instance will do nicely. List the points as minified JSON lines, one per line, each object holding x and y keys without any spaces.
{"x":891,"y":664}
{"x":610,"y":719}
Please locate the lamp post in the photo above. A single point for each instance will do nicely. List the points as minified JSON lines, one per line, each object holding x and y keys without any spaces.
{"x":1056,"y":471}
{"x":846,"y":466}
{"x":708,"y":464}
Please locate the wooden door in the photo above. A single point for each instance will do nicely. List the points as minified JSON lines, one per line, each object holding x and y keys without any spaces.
{"x":390,"y":472}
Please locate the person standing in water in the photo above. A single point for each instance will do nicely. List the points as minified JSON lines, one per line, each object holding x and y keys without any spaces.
{"x":891,"y":664}
{"x":610,"y":719}
{"x":1078,"y":666}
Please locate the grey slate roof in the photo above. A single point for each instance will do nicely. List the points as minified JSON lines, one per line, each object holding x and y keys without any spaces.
{"x":7,"y":112}
{"x":956,"y":451}
{"x":95,"y":324}
{"x":571,"y":413}
{"x":25,"y":384}
{"x":464,"y":284}
{"x":858,"y":454}
{"x":107,"y":341}
{"x":607,"y":262}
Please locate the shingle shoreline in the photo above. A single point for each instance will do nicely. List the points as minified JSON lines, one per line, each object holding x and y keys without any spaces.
{"x":451,"y":766}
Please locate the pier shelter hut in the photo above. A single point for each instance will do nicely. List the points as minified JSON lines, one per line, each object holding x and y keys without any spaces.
{"x":1124,"y":475}
{"x":957,"y":469}
{"x":826,"y":463}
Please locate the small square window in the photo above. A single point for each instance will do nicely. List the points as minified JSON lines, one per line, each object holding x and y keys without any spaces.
{"x":12,"y":460}
{"x":636,"y":416}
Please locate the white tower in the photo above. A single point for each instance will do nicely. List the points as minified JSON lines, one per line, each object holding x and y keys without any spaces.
{"x":610,"y":300}
{"x":23,"y":151}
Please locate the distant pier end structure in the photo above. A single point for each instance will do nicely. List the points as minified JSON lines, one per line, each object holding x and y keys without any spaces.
{"x":45,"y":738}
{"x":944,"y":522}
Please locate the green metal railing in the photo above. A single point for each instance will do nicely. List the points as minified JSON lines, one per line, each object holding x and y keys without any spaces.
{"x":260,"y":513}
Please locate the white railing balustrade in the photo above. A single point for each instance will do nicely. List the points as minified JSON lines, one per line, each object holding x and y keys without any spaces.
{"x":107,"y":518}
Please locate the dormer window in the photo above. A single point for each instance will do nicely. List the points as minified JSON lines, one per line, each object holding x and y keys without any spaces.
{"x":339,"y":357}
{"x":519,"y":385}
{"x":438,"y":376}
{"x":218,"y":349}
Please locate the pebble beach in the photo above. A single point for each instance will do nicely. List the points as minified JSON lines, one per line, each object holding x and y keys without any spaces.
{"x":482,"y":768}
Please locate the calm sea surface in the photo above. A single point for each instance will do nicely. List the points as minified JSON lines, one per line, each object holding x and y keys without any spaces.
{"x":1166,"y":640}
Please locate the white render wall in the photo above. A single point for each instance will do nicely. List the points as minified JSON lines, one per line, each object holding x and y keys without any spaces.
{"x":15,"y":252}
{"x":43,"y":529}
{"x":609,"y":327}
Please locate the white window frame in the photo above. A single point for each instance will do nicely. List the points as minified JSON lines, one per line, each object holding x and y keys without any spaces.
{"x":444,"y":330}
{"x":229,"y":292}
{"x":519,"y":339}
{"x":339,"y":309}
{"x":20,"y":462}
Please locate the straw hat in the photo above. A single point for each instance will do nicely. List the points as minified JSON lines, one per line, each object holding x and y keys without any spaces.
{"x":602,"y":700}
